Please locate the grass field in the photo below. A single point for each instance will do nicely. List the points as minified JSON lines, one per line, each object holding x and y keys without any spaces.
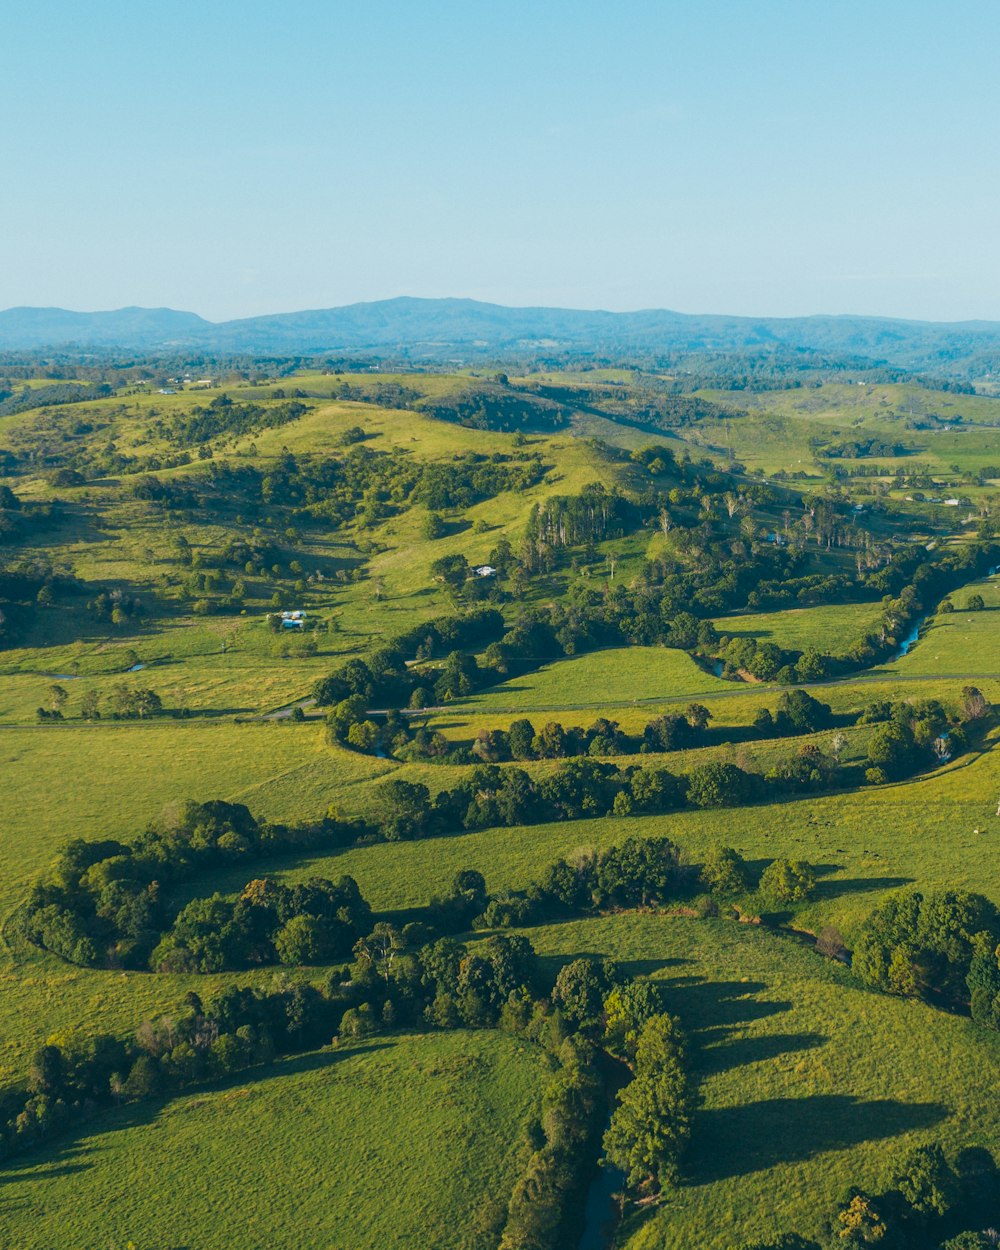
{"x":111,"y":780}
{"x":797,"y":629}
{"x":962,"y":643}
{"x":942,"y":830}
{"x":309,"y":1153}
{"x":619,"y":675}
{"x":808,"y":1083}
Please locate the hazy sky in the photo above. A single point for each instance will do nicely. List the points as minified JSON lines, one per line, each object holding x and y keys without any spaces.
{"x":748,"y":156}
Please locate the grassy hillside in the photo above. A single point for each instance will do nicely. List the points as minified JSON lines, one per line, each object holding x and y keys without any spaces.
{"x":345,"y":1147}
{"x":195,"y":515}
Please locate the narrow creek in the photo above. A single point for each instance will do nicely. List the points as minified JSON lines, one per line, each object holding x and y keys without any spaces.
{"x":600,"y":1210}
{"x":601,"y":1213}
{"x":913,"y":637}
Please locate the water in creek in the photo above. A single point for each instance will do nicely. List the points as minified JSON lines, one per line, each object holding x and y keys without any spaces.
{"x":600,"y":1211}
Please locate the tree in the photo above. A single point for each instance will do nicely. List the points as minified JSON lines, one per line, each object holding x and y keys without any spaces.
{"x":520,"y":737}
{"x":377,"y":952}
{"x":859,"y":1221}
{"x":434,"y":526}
{"x":627,"y":1008}
{"x":921,"y":944}
{"x":927,"y":1181}
{"x":984,"y":987}
{"x":58,"y":696}
{"x":402,"y":808}
{"x":652,"y":1123}
{"x":724,"y":871}
{"x":363,"y":736}
{"x":579,"y":992}
{"x":720,"y":785}
{"x":90,"y":706}
{"x":304,"y":940}
{"x":787,"y":881}
{"x":974,"y":705}
{"x":975,"y":603}
{"x":892,"y":750}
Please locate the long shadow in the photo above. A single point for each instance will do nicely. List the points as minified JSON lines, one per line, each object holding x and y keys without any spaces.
{"x":738,"y":1141}
{"x":715,"y":1007}
{"x":68,"y":1156}
{"x":859,"y":885}
{"x":745,"y":1050}
{"x":549,"y":966}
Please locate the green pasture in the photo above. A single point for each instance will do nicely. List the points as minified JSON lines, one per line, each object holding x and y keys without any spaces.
{"x":618,"y":675}
{"x":941,"y":830}
{"x":826,"y":628}
{"x":961,"y":643}
{"x":110,"y":780}
{"x":409,"y":1140}
{"x":808,"y":1083}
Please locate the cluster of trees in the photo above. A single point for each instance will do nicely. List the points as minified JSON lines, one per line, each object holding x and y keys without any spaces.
{"x":20,"y":519}
{"x":25,"y":584}
{"x":102,"y":903}
{"x":924,"y":945}
{"x":224,"y":418}
{"x":910,"y":735}
{"x":123,"y":702}
{"x":29,"y":397}
{"x":496,"y":406}
{"x":652,"y":1122}
{"x":670,"y":732}
{"x":592,"y":516}
{"x":797,"y":713}
{"x":440,"y":984}
{"x":117,"y":607}
{"x":366,"y":486}
{"x":860,"y":448}
{"x":313,"y":922}
{"x":929,"y":1204}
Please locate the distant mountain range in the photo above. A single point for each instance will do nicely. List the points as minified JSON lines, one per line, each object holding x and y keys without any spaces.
{"x":432,"y":327}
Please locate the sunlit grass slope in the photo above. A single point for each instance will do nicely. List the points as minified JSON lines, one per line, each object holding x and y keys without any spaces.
{"x":808,"y":1083}
{"x":408,"y":1141}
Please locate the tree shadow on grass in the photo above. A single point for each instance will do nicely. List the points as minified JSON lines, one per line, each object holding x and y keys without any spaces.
{"x":549,"y":966}
{"x":745,"y":1050}
{"x":859,"y":885}
{"x":711,"y":1008}
{"x":737,"y":1141}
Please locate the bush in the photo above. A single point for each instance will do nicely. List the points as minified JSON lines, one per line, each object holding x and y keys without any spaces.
{"x":787,"y":881}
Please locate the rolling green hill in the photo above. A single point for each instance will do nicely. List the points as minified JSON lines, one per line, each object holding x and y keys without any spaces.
{"x":652,"y":552}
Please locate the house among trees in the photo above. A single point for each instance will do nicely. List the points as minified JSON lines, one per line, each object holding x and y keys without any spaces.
{"x":293,"y":620}
{"x":484,"y":570}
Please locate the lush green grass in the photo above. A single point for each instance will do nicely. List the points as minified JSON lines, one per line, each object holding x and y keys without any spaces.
{"x":939,"y":831}
{"x":616,"y":676}
{"x":778,"y":432}
{"x":962,"y":643}
{"x":808,"y":1083}
{"x":111,"y":780}
{"x":826,"y":628}
{"x":406,"y":1141}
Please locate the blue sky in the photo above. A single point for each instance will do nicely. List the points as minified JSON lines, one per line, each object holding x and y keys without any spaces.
{"x":767,"y":157}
